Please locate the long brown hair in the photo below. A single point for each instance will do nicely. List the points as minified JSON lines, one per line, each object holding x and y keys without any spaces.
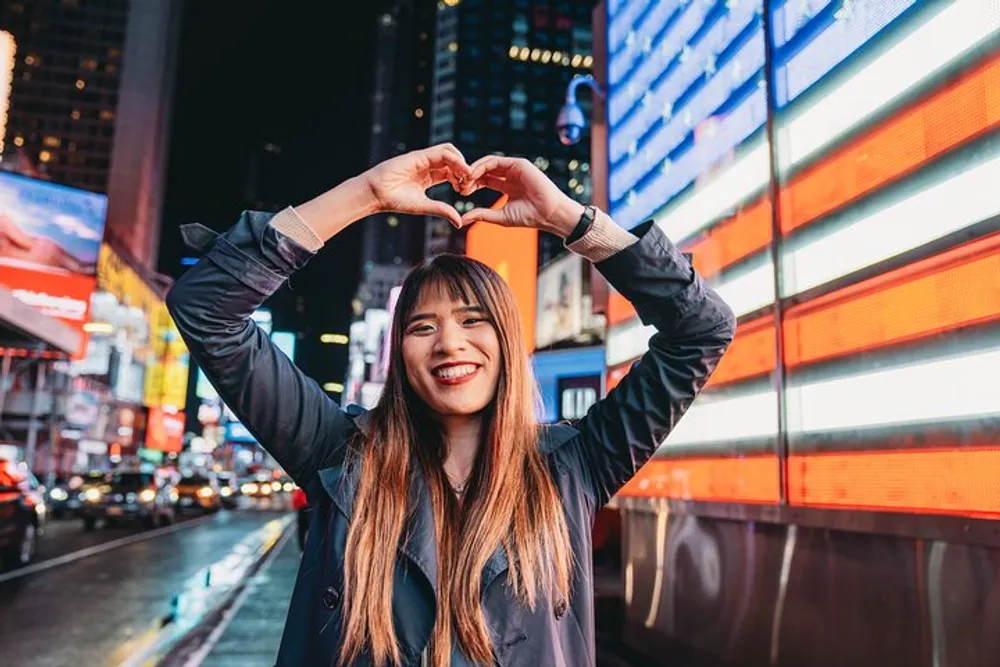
{"x":509,"y":469}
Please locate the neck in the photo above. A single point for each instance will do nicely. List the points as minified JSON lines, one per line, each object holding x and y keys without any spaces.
{"x":462,"y":435}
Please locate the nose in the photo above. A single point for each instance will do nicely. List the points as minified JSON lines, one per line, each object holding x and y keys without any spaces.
{"x":450,"y":339}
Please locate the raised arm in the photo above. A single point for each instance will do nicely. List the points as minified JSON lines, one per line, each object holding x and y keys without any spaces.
{"x":694,"y":326}
{"x":286,"y":411}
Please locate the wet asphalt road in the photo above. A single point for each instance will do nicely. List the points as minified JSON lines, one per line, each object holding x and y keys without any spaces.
{"x":101,"y":609}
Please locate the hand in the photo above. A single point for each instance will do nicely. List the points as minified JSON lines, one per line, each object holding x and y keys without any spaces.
{"x":400,"y":184}
{"x":532,"y":199}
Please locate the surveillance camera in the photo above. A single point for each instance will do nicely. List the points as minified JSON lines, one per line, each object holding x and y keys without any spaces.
{"x":570,"y":124}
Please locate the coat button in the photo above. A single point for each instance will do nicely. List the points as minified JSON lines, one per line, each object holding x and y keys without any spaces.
{"x":560,"y":609}
{"x":330,"y":598}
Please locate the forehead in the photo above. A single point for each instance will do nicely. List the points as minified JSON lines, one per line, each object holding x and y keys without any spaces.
{"x":440,"y":295}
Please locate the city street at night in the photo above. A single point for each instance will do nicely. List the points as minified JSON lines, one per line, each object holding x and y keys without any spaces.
{"x":112,"y":607}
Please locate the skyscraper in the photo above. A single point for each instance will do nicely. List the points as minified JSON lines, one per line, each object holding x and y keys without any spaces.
{"x":500,"y":75}
{"x":400,"y":121}
{"x":90,"y":104}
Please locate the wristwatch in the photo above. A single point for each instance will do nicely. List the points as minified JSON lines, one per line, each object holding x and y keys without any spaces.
{"x":582,"y":227}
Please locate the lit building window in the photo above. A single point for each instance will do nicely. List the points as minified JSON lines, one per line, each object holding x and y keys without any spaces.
{"x":45,"y":156}
{"x":30,"y":59}
{"x":513,"y":51}
{"x":573,"y":164}
{"x":107,"y":115}
{"x":524,"y":53}
{"x":588,"y":61}
{"x":453,"y":47}
{"x":419,"y":113}
{"x":80,"y":84}
{"x":52,"y":142}
{"x":546,"y":56}
{"x":88,"y":64}
{"x":19,"y":141}
{"x":451,"y":3}
{"x":577,"y":59}
{"x":74,"y":114}
{"x":536,"y":54}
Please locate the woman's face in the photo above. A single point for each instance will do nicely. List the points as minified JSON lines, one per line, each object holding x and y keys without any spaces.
{"x":452,"y":354}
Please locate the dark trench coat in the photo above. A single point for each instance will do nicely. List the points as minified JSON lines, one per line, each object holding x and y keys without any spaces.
{"x":305,"y":431}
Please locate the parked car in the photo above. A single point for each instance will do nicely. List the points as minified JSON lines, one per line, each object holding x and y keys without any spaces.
{"x":199,"y":493}
{"x":229,"y":489}
{"x":129,"y":495}
{"x":258,"y":486}
{"x":65,"y":498}
{"x":22,"y":513}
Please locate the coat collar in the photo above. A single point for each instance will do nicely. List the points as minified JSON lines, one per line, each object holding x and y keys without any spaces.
{"x":419,"y":543}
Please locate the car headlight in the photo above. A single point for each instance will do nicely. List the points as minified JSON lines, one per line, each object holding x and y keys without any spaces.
{"x":288,"y":487}
{"x":248,"y":488}
{"x":59,"y":494}
{"x":276,"y":486}
{"x":226,"y":492}
{"x":147,"y":496}
{"x":92,"y":495}
{"x":174,"y":496}
{"x":266,"y":489}
{"x":206,"y":492}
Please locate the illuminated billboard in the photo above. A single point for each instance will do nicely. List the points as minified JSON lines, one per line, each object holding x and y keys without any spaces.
{"x":883,"y":150}
{"x":513,"y":253}
{"x":50,"y":239}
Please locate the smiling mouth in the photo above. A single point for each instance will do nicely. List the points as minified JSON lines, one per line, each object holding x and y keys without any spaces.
{"x":454,"y":373}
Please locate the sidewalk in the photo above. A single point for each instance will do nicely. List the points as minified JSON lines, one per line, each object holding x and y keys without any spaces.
{"x":252,"y":639}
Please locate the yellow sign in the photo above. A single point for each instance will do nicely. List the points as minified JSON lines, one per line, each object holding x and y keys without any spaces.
{"x":167,"y":370}
{"x":116,"y":277}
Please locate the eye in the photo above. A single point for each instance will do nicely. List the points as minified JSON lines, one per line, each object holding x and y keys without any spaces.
{"x":472,"y":321}
{"x":420,"y":329}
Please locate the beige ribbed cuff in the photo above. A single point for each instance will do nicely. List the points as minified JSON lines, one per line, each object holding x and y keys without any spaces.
{"x":602,"y":240}
{"x":291,"y":224}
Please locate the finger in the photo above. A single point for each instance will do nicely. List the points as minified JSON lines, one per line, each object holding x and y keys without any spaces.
{"x":485,"y":181}
{"x":442,"y":210}
{"x":494,"y":165}
{"x":446,"y":155}
{"x":495,"y":217}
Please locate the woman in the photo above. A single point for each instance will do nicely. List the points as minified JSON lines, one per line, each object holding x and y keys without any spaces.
{"x":449,"y":526}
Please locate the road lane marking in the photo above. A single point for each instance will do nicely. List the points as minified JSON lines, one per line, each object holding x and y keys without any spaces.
{"x":198,"y":657}
{"x":99,"y":548}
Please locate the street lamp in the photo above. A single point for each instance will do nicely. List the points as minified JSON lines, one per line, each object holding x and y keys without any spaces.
{"x":571,"y":121}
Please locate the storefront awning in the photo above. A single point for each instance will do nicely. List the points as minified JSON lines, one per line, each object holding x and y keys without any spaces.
{"x":22,"y":326}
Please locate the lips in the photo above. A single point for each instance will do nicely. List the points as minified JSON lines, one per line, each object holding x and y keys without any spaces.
{"x":456,"y":373}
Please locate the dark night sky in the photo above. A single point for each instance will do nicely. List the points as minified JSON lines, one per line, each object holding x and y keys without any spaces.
{"x":296,"y":73}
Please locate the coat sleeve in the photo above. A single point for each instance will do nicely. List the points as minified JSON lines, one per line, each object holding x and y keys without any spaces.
{"x":694,"y":327}
{"x":286,"y":411}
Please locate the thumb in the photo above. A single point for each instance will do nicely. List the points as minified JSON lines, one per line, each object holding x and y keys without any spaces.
{"x":495,"y":217}
{"x":442,"y":210}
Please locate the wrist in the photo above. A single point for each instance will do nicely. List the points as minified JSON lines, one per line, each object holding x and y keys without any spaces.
{"x":566,"y":217}
{"x":335,"y":209}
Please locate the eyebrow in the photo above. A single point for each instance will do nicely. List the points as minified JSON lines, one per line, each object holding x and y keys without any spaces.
{"x":456,"y":311}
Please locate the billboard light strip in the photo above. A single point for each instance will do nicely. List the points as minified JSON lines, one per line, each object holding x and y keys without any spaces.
{"x":690,"y":68}
{"x":652,"y":60}
{"x":746,"y":479}
{"x":703,"y":205}
{"x":929,"y":48}
{"x":712,"y":419}
{"x":898,"y":396}
{"x":833,"y":45}
{"x":869,"y":237}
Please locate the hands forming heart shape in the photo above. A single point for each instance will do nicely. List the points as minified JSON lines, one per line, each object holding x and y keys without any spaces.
{"x":529,"y":198}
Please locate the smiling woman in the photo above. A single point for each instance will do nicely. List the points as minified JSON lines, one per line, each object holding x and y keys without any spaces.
{"x":449,"y":527}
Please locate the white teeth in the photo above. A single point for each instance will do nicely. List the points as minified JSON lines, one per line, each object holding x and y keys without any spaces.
{"x":452,"y":372}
